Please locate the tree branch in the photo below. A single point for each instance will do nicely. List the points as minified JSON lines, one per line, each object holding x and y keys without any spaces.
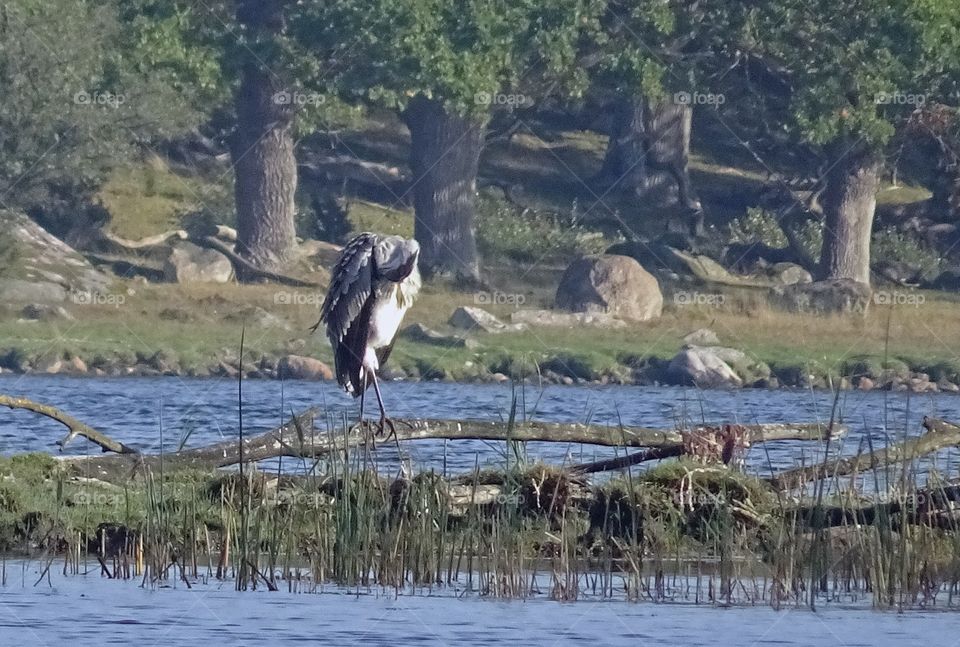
{"x":76,"y":427}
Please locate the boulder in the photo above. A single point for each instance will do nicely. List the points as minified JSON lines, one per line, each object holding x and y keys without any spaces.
{"x":566,"y":319}
{"x":789,"y":274}
{"x":39,"y":267}
{"x":189,"y":263}
{"x":473,"y":318}
{"x":702,"y":366}
{"x":615,"y":285}
{"x":298,"y":367}
{"x":419,"y":332}
{"x":837,"y":296}
{"x":702,"y":337}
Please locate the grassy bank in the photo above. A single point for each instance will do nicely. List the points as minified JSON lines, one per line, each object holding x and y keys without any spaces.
{"x":195,"y":330}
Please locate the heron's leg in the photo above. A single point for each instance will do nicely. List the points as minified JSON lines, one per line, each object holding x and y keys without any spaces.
{"x":363,"y":391}
{"x":385,"y":422}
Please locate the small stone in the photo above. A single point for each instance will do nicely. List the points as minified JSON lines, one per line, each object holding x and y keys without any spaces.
{"x":45,"y":312}
{"x":298,"y":367}
{"x":472,"y":318}
{"x":75,"y":365}
{"x":865,"y":384}
{"x":419,"y":332}
{"x":948,"y":387}
{"x":499,"y":377}
{"x":49,"y":365}
{"x":702,"y":337}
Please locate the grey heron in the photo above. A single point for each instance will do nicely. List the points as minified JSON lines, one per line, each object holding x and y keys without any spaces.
{"x":373,"y":283}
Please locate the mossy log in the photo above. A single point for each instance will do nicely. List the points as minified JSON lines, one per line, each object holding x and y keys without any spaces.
{"x":940,"y":435}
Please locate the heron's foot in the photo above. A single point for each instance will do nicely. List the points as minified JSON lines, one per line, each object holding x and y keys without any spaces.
{"x":385,"y":425}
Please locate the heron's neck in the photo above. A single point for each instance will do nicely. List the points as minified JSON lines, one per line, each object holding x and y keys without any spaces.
{"x":408,"y":288}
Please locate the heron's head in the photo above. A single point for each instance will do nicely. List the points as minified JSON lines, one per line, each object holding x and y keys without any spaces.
{"x":396,"y":257}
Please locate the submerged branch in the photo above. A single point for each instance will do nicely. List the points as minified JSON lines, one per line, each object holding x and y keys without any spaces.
{"x":76,"y":427}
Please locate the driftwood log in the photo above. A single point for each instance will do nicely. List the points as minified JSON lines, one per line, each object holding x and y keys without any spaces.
{"x":300,"y":438}
{"x":940,"y":435}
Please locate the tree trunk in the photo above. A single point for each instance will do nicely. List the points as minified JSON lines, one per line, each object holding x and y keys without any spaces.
{"x":262,"y":150}
{"x":444,"y":157}
{"x":849,"y":201}
{"x":649,"y":153}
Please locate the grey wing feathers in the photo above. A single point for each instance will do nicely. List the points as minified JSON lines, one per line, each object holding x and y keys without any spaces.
{"x":351,"y":283}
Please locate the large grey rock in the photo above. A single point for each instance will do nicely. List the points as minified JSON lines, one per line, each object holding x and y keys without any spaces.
{"x":704,"y":367}
{"x":716,"y":366}
{"x":538,"y":318}
{"x":837,"y":296}
{"x":472,"y":318}
{"x":17,"y":290}
{"x":419,"y":332}
{"x":298,"y":367}
{"x":36,"y":266}
{"x":615,"y":285}
{"x":189,"y":263}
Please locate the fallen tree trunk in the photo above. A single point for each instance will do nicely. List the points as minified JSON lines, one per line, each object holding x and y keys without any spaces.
{"x":300,"y":439}
{"x":249,"y":269}
{"x":940,"y":435}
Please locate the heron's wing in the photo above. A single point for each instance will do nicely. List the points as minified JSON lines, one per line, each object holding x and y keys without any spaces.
{"x":351,"y":283}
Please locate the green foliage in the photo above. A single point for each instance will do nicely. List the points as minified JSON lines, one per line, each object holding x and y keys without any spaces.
{"x":464,"y":53}
{"x":892,"y":245}
{"x":758,"y":226}
{"x":857,"y":71}
{"x":530,"y":236}
{"x":74,"y":106}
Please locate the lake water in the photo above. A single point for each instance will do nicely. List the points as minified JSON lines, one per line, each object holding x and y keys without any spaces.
{"x":92,"y":610}
{"x":200,"y":411}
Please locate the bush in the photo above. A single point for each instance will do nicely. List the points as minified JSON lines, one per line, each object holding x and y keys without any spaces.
{"x":527,"y":235}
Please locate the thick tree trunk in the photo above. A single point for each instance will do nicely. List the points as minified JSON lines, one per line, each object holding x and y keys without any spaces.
{"x":849,"y":201}
{"x":444,"y":157}
{"x":649,"y":153}
{"x":262,"y":150}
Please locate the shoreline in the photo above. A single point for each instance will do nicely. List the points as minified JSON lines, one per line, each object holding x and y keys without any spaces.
{"x":916,"y":382}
